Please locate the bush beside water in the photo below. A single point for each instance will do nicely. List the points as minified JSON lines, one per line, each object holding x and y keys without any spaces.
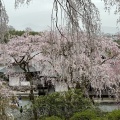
{"x":62,"y":104}
{"x":70,"y":105}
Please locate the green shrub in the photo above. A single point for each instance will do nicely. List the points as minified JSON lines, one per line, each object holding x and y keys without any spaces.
{"x":51,"y":118}
{"x":85,"y":115}
{"x":100,"y":114}
{"x":100,"y":118}
{"x":62,"y":104}
{"x":114,"y":115}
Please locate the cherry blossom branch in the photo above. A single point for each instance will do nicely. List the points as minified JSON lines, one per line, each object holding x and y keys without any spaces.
{"x":34,"y":56}
{"x":109,"y":59}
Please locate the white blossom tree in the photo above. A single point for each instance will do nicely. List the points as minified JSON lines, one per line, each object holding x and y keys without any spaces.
{"x":74,"y":65}
{"x":82,"y":48}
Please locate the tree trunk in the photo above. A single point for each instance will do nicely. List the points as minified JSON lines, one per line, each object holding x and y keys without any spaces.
{"x":28,"y":75}
{"x":33,"y":102}
{"x":29,"y":78}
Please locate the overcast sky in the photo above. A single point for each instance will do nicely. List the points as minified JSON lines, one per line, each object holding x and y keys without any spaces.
{"x":38,"y":15}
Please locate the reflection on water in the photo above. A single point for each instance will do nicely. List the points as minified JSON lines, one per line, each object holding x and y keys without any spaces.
{"x":26,"y":113}
{"x":25,"y":103}
{"x":109,"y":107}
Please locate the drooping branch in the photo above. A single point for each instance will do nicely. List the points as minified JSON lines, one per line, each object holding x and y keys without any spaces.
{"x":79,"y":11}
{"x":3,"y":22}
{"x":19,"y":2}
{"x":30,"y":58}
{"x":109,"y":4}
{"x":108,"y":59}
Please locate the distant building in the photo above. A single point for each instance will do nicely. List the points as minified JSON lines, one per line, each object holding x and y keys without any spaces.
{"x":16,"y":77}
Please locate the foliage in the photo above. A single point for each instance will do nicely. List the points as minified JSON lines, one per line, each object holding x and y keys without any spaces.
{"x":20,"y":33}
{"x":62,"y":104}
{"x":114,"y":115}
{"x":16,"y":32}
{"x":85,"y":115}
{"x":90,"y":114}
{"x":52,"y":118}
{"x":100,"y":118}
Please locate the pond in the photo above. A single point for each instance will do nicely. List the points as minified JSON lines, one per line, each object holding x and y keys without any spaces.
{"x":25,"y":103}
{"x":108,"y":107}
